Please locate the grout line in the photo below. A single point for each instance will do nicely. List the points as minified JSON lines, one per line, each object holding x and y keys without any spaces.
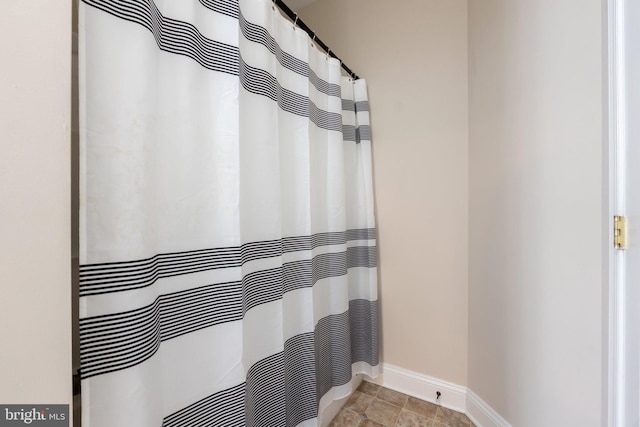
{"x":445,"y":421}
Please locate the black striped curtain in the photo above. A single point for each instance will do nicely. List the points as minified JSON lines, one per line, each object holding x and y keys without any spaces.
{"x":228,"y":252}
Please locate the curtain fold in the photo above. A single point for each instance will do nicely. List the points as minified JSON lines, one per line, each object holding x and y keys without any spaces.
{"x":227,"y":242}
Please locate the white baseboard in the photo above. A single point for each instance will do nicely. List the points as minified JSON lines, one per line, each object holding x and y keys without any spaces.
{"x":482,"y":414}
{"x":453,"y":396}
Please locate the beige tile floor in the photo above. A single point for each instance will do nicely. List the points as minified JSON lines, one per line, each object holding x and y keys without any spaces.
{"x":375,"y":406}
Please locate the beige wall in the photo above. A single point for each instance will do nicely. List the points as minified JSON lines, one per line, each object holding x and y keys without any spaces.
{"x":535,"y":293}
{"x":35,"y":266}
{"x":414,"y":58}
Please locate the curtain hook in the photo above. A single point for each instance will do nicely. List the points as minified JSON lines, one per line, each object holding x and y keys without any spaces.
{"x":313,"y":40}
{"x":328,"y":53}
{"x":273,"y":5}
{"x":295,"y":23}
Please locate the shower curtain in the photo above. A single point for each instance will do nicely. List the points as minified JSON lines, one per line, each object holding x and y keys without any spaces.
{"x":228,"y":252}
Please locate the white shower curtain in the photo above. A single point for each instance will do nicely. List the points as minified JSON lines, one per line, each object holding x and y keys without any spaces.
{"x":228,"y":252}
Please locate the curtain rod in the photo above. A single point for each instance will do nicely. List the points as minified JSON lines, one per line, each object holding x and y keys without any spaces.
{"x":297,"y":21}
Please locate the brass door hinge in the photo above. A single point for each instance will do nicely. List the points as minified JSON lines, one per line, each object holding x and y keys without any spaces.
{"x":619,"y":232}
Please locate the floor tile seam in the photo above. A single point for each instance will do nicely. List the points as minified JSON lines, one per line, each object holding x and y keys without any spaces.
{"x":377,"y":390}
{"x":368,"y":405}
{"x":389,"y":403}
{"x":445,"y":419}
{"x":434,"y":418}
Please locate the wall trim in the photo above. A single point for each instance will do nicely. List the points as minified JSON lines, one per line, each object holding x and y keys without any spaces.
{"x":422,"y":386}
{"x":482,"y":414}
{"x":454,"y":396}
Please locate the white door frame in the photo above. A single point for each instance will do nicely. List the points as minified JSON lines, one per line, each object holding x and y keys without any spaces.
{"x":617,"y":330}
{"x":616,"y":128}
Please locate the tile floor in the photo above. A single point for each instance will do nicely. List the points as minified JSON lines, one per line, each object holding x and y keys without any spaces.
{"x":375,"y":406}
